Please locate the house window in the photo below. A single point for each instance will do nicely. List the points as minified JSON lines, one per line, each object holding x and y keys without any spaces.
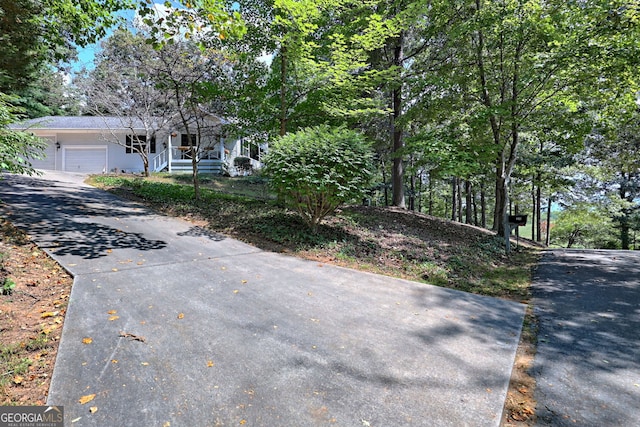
{"x":184,"y":140}
{"x":137,"y":143}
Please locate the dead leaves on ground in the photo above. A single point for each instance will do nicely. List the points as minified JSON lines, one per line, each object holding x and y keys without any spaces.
{"x":132,"y":337}
{"x":86,"y":399}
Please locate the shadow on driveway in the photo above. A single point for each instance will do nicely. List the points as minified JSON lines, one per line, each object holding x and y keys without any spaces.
{"x":66,"y":222}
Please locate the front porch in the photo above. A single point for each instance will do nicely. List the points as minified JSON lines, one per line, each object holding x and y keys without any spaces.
{"x":214,"y":161}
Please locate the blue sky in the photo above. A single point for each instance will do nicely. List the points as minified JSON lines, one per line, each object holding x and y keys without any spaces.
{"x":86,"y":55}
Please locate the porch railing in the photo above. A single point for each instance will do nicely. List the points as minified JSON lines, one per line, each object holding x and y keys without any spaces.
{"x":160,"y":161}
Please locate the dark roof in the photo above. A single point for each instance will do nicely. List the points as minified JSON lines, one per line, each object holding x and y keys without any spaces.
{"x":80,"y":123}
{"x":87,"y":123}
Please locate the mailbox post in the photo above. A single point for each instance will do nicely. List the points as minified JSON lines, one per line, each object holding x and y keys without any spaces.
{"x":516,"y":221}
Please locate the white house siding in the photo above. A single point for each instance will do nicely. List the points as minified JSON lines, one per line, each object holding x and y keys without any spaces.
{"x":48,"y":162}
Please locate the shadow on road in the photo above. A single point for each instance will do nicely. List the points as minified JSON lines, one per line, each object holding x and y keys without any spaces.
{"x":588,"y":361}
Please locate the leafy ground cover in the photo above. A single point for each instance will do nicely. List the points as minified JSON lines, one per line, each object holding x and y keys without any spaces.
{"x":388,"y":241}
{"x":31,"y":317}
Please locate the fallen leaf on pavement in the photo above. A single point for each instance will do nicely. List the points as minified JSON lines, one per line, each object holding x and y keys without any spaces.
{"x":86,"y":399}
{"x":181,"y":316}
{"x":93,"y":409}
{"x":87,"y":340}
{"x":132,"y":336}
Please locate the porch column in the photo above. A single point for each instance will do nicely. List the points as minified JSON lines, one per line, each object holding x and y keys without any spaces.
{"x":170,"y":154}
{"x":222,"y":158}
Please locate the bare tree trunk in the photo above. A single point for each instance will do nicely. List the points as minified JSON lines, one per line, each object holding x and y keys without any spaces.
{"x":539,"y":210}
{"x":454,"y":198}
{"x":483,"y":206}
{"x":459,"y":185}
{"x":283,"y":90}
{"x":397,"y":175}
{"x":547,"y":239}
{"x":420,"y":191}
{"x":475,"y":209}
{"x":412,"y":183}
{"x":431,"y":195}
{"x":384,"y":181}
{"x":468,"y":211}
{"x":534,"y":213}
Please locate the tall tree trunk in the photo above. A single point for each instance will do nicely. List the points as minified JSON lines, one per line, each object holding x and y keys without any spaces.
{"x":430,"y":210}
{"x":459,"y":191}
{"x":398,"y":143}
{"x":539,"y":210}
{"x":623,"y":219}
{"x":283,"y":90}
{"x":548,"y":237}
{"x":483,"y":206}
{"x":475,"y":209}
{"x":468,"y":210}
{"x":509,"y":143}
{"x":454,"y":198}
{"x":385,"y":186}
{"x":412,"y":189}
{"x":420,"y":191}
{"x":533,"y":203}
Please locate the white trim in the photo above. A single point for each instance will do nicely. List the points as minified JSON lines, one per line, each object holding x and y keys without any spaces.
{"x":85,"y":147}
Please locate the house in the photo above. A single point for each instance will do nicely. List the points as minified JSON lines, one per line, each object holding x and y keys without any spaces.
{"x":98,"y":144}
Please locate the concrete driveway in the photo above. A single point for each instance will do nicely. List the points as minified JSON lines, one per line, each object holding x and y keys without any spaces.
{"x":190,"y":328}
{"x":587,"y":364}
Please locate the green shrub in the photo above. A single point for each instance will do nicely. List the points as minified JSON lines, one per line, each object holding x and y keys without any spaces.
{"x":242,"y":164}
{"x":317,"y":169}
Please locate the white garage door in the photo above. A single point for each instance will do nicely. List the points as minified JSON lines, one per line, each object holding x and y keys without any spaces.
{"x":49,"y":160}
{"x":85,"y":159}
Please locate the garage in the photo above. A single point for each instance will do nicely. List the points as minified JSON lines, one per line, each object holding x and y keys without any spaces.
{"x":91,"y":159}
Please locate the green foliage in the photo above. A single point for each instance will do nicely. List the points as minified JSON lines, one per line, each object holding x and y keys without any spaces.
{"x":584,"y":226}
{"x":36,"y":34}
{"x":242,"y":163}
{"x":8,"y":286}
{"x":204,"y":21}
{"x":16,"y":147}
{"x":318,"y":169}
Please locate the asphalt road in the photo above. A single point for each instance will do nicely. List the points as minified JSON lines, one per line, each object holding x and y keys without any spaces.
{"x":587,"y":364}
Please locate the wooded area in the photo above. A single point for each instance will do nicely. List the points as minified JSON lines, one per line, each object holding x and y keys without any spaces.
{"x":477,"y":109}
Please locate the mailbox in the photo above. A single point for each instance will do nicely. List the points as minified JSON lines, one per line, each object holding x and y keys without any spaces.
{"x":519,"y":220}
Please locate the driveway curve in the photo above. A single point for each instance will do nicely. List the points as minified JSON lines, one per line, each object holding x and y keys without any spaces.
{"x":587,"y":364}
{"x":191,"y":328}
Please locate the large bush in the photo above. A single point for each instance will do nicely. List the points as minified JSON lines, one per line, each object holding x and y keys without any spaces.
{"x":317,"y":169}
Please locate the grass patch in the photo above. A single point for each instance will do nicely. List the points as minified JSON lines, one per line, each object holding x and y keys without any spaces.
{"x":14,"y":363}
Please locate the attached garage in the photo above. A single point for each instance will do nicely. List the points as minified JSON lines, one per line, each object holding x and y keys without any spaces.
{"x":85,"y":159}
